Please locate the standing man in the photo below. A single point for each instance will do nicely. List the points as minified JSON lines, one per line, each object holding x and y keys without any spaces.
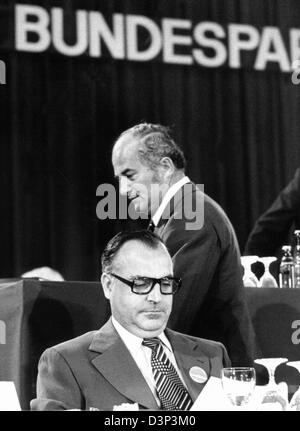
{"x":275,"y":227}
{"x":151,"y":171}
{"x":133,"y":358}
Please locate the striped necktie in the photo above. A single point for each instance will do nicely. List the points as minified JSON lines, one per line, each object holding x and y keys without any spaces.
{"x":170,"y":389}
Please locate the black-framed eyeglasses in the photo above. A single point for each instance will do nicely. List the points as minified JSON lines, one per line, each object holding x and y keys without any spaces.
{"x":144,"y":285}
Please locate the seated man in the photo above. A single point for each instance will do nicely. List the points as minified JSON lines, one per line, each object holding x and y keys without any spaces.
{"x":133,"y":358}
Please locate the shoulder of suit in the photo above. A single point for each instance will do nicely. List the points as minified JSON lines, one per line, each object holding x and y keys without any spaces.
{"x":81,"y":342}
{"x":213,"y":212}
{"x":203,"y":343}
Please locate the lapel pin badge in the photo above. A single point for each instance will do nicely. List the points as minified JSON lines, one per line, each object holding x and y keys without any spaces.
{"x":198,"y":374}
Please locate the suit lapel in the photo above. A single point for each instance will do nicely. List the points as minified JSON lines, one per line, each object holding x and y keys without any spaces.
{"x":116,"y":364}
{"x":188,"y":355}
{"x":175,"y":205}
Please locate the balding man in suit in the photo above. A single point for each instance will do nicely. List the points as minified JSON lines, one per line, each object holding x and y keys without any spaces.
{"x":134,"y":358}
{"x":150,"y":168}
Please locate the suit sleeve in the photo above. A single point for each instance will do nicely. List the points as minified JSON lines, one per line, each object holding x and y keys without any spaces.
{"x":57,"y":388}
{"x":226,"y":359}
{"x":272,"y":228}
{"x":211,"y":302}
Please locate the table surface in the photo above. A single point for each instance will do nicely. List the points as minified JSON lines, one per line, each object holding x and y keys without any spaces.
{"x":275,"y":314}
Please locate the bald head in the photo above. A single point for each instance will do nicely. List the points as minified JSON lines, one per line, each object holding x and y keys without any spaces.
{"x":138,"y":259}
{"x":155,"y":143}
{"x":146,"y":156}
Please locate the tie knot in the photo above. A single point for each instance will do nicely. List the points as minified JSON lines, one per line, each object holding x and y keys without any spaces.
{"x":151,"y":226}
{"x":152,"y":343}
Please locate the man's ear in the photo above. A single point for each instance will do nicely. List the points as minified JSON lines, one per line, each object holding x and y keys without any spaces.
{"x":106,"y":283}
{"x":166,"y":169}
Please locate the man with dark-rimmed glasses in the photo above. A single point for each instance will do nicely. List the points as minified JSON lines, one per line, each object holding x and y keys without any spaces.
{"x":134,"y":358}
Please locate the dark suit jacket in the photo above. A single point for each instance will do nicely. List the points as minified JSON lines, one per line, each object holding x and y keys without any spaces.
{"x":97,"y":370}
{"x":211,"y":302}
{"x":274,"y":228}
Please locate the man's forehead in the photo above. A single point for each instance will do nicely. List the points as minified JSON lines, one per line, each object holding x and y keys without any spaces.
{"x":134,"y":250}
{"x":125,"y":147}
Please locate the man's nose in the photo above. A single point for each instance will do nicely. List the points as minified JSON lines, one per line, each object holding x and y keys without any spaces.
{"x":123,"y":186}
{"x":155,"y":294}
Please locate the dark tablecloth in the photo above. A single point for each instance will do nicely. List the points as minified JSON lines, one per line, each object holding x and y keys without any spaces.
{"x":275,"y":315}
{"x":37,"y":314}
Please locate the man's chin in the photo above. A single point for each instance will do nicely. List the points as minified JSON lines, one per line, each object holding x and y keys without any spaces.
{"x":154,"y":323}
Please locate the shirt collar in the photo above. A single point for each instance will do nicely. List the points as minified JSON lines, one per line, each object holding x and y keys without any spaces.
{"x":131,"y":341}
{"x":166,"y":199}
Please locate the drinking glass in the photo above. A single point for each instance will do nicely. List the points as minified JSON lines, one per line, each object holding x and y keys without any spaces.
{"x":295,"y":401}
{"x":273,"y":392}
{"x":238,"y":384}
{"x":267,"y":279}
{"x":249,"y":278}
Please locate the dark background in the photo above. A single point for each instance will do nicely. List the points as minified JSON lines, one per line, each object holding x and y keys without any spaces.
{"x":59,"y":116}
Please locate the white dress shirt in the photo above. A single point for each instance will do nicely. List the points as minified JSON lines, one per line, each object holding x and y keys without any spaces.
{"x":166,"y":199}
{"x":142,"y":354}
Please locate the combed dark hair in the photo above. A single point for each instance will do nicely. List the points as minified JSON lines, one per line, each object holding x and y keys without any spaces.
{"x":157,"y":143}
{"x":146,"y":237}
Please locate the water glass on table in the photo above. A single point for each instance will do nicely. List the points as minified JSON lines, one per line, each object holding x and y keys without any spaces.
{"x":267,"y":279}
{"x":274,"y":397}
{"x":295,"y":401}
{"x":239,"y":384}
